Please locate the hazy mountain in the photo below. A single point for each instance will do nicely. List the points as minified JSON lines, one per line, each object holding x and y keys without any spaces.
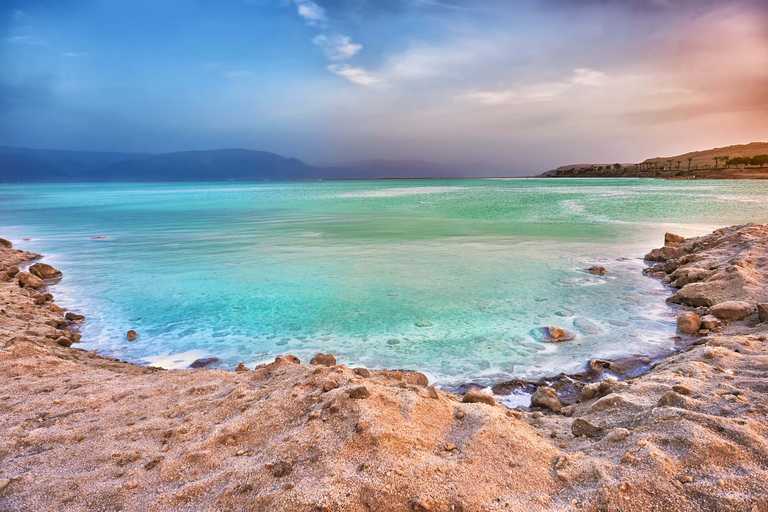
{"x":40,"y":165}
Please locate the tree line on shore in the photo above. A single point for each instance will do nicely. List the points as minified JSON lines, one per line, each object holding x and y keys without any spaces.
{"x":671,"y":165}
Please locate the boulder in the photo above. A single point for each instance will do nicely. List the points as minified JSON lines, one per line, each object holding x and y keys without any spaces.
{"x":694,"y":295}
{"x":673,"y":240}
{"x":44,"y":271}
{"x":5,"y":243}
{"x":598,"y":271}
{"x":474,"y":396}
{"x":546,"y":397}
{"x":73,"y":317}
{"x":599,"y":389}
{"x":710,"y":322}
{"x":241,"y":368}
{"x":688,"y":323}
{"x":732,"y":310}
{"x":27,"y":279}
{"x":363,"y":372}
{"x":323,"y":359}
{"x":12,"y":270}
{"x":581,"y":427}
{"x":415,"y":378}
{"x":202,"y":363}
{"x":131,"y":335}
{"x":64,"y":342}
{"x":329,"y":385}
{"x":4,"y":277}
{"x":762,"y":312}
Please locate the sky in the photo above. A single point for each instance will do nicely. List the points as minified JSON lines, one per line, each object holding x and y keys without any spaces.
{"x":494,"y":86}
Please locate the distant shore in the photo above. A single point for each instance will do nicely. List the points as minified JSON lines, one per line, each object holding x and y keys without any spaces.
{"x":84,"y":432}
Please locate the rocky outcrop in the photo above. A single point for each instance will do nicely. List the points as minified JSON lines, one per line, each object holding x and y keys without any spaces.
{"x":673,"y":240}
{"x":44,"y":271}
{"x":6,"y":244}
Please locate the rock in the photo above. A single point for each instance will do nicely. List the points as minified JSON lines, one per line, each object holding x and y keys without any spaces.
{"x":4,"y":482}
{"x":552,"y":334}
{"x":27,"y":279}
{"x":599,"y":389}
{"x":5,"y":243}
{"x":73,"y":317}
{"x":415,"y":378}
{"x":98,"y":237}
{"x":432,"y":393}
{"x":762,"y":312}
{"x":473,"y":396}
{"x":359,"y":392}
{"x":688,"y":323}
{"x":732,"y":310}
{"x":291,"y":359}
{"x":39,"y":299}
{"x":393,"y":341}
{"x":324,"y":360}
{"x":241,"y":368}
{"x":131,"y":335}
{"x":363,"y":372}
{"x":44,"y":271}
{"x":598,"y":271}
{"x":12,"y":271}
{"x":673,"y":240}
{"x":683,"y":390}
{"x":587,"y":327}
{"x":616,"y":435}
{"x":64,"y":342}
{"x":75,"y":337}
{"x":710,"y":322}
{"x":672,"y":399}
{"x":202,"y":363}
{"x":582,"y":427}
{"x":694,"y":295}
{"x":424,"y":324}
{"x":329,"y":385}
{"x":4,"y":277}
{"x":546,"y":397}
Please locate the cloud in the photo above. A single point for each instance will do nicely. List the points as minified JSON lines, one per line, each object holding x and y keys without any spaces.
{"x":310,"y":11}
{"x":73,"y":55}
{"x":354,"y":74}
{"x":337,"y":46}
{"x":537,"y":93}
{"x":27,"y":40}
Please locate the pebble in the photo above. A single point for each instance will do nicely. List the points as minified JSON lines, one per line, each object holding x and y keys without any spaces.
{"x":685,"y":479}
{"x":359,"y":392}
{"x":4,"y":482}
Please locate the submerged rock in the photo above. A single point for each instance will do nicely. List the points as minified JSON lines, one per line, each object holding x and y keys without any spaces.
{"x":688,"y":323}
{"x":586,"y":326}
{"x":552,"y":334}
{"x":44,"y":271}
{"x":131,"y":335}
{"x":598,"y":271}
{"x":202,"y":363}
{"x":546,"y":397}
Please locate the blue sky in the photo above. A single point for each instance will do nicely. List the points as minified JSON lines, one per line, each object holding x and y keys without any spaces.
{"x":514,"y":85}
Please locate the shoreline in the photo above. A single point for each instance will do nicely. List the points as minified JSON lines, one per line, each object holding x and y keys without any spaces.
{"x":400,"y":431}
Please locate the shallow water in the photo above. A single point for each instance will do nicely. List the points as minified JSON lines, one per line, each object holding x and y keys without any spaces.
{"x":446,"y":276}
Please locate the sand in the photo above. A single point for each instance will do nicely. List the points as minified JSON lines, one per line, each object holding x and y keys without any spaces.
{"x":83,"y":432}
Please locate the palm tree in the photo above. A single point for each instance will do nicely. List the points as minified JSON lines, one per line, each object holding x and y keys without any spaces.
{"x":678,"y":164}
{"x":725,"y":160}
{"x":690,"y":159}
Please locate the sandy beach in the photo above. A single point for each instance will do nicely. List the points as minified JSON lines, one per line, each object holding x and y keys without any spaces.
{"x":83,"y":432}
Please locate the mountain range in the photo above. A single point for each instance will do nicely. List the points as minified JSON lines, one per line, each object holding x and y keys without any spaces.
{"x":41,"y":165}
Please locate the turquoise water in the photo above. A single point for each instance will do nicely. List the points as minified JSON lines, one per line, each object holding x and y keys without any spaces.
{"x":446,"y":276}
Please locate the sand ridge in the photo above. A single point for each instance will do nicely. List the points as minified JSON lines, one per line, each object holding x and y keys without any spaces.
{"x":83,"y":432}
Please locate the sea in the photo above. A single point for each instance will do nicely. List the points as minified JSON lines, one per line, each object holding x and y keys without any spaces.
{"x":453,"y":278}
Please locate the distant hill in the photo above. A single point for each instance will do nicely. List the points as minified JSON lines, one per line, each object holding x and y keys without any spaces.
{"x":41,"y":165}
{"x":717,"y":163}
{"x":706,"y":158}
